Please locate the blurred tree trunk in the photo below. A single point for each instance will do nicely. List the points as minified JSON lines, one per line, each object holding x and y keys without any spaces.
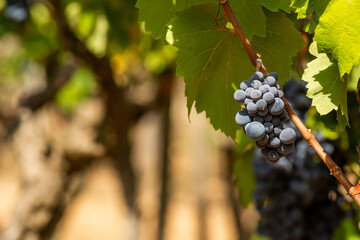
{"x":166,"y":85}
{"x":120,"y":113}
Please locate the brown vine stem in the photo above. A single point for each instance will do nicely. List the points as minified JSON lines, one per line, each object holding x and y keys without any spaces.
{"x":308,"y":136}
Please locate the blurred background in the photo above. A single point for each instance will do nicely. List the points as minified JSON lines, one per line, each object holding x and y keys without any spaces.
{"x":96,"y":143}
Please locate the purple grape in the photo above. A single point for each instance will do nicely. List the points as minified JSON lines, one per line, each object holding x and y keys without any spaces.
{"x":274,"y":142}
{"x":274,"y":91}
{"x":287,"y":135}
{"x":275,"y":121}
{"x":255,"y":95}
{"x":268,"y":127}
{"x":239,"y":96}
{"x":256,"y":84}
{"x":258,"y":76}
{"x":242,"y":118}
{"x":273,"y":156}
{"x":258,"y":119}
{"x":276,"y":107}
{"x":248,"y":91}
{"x":280,"y":93}
{"x":285,"y":148}
{"x":271,"y":81}
{"x":244,"y":85}
{"x":263,"y":89}
{"x":261,"y":104}
{"x":268,"y":97}
{"x":247,"y":101}
{"x":251,"y":107}
{"x":255,"y":130}
{"x":275,"y":75}
{"x":259,"y":145}
{"x":263,"y":113}
{"x":268,"y":117}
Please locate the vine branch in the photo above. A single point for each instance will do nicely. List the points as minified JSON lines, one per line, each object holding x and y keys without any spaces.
{"x":335,"y":170}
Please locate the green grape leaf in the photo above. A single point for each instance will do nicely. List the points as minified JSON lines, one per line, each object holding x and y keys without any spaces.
{"x":211,"y":61}
{"x":282,"y":42}
{"x":158,"y":14}
{"x":338,"y":33}
{"x":188,"y":3}
{"x":275,"y":5}
{"x":298,"y":3}
{"x":250,"y":16}
{"x":353,"y":78}
{"x":347,"y":230}
{"x":243,"y":169}
{"x":342,"y":120}
{"x":325,"y":86}
{"x":304,"y":8}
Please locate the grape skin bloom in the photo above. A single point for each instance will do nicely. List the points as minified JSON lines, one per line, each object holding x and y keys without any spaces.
{"x":263,"y":116}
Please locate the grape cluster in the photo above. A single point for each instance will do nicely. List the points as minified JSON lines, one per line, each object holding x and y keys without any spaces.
{"x":263,"y":118}
{"x":297,"y":197}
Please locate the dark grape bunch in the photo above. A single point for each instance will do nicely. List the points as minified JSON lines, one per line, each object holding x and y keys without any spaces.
{"x":263,"y":118}
{"x":297,"y":198}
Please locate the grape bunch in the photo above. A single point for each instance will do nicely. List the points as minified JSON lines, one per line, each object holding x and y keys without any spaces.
{"x":297,"y":198}
{"x":263,"y":118}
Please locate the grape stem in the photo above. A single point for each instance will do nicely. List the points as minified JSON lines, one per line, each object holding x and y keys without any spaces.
{"x":308,"y":136}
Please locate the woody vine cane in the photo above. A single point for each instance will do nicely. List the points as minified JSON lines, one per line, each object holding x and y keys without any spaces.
{"x":308,"y":136}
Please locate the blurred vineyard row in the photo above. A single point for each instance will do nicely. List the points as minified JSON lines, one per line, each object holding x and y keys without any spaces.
{"x":95,"y":142}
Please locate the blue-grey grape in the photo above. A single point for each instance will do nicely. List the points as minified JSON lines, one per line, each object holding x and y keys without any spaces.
{"x":261,"y":104}
{"x":248,"y":91}
{"x":283,"y":114}
{"x":277,"y":130}
{"x":275,"y":120}
{"x":251,"y":107}
{"x":264,"y":152}
{"x":274,"y":74}
{"x":271,"y":81}
{"x":259,"y":145}
{"x":287,"y":136}
{"x":263,"y":115}
{"x":258,"y":119}
{"x":285,"y":148}
{"x":239,"y":95}
{"x":247,"y":101}
{"x":258,"y":76}
{"x":276,"y":107}
{"x":255,"y":95}
{"x":268,"y":127}
{"x":264,"y":140}
{"x":268,"y":97}
{"x":278,"y":86}
{"x":242,"y":118}
{"x":274,"y":91}
{"x":273,"y":155}
{"x":256,"y":84}
{"x":271,"y":135}
{"x":268,"y":117}
{"x":255,"y":130}
{"x":274,"y":142}
{"x":263,"y":89}
{"x":244,"y":85}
